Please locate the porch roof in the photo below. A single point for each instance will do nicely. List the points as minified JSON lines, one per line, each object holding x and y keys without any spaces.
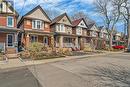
{"x":39,"y":32}
{"x":7,"y":29}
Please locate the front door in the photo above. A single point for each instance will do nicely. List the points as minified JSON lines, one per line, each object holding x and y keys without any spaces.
{"x":10,"y":40}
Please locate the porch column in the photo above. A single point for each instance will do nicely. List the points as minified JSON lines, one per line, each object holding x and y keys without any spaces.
{"x":52,"y":42}
{"x":16,"y":41}
{"x":61,"y":41}
{"x":27,"y":40}
{"x":76,"y":42}
{"x":81,"y":44}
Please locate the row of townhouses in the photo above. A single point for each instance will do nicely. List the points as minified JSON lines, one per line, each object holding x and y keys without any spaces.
{"x":36,"y":26}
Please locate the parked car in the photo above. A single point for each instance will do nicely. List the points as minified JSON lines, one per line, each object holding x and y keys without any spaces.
{"x":119,"y":47}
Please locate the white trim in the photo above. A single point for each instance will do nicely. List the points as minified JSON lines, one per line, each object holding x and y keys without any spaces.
{"x":12,"y":21}
{"x":59,"y":28}
{"x":36,"y":24}
{"x":12,"y":40}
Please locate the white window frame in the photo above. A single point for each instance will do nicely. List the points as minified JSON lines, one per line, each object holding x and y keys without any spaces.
{"x":12,"y":21}
{"x":59,"y":28}
{"x":79,"y":31}
{"x":36,"y":24}
{"x":46,"y":39}
{"x":12,"y":40}
{"x":34,"y":36}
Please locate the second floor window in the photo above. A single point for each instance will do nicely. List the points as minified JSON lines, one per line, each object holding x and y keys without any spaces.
{"x":60,"y":28}
{"x":10,"y":21}
{"x":79,"y":31}
{"x":37,"y":24}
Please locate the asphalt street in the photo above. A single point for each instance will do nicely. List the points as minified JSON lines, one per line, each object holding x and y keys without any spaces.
{"x":111,"y":70}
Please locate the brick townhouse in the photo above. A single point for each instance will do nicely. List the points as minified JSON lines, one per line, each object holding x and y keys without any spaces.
{"x":8,"y":28}
{"x":93,"y":33}
{"x":63,"y":32}
{"x":80,"y":29}
{"x":36,"y":26}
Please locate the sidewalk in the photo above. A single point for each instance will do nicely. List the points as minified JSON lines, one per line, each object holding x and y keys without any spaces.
{"x":14,"y":63}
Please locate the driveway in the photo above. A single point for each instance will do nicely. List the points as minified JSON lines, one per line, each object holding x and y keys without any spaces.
{"x":111,"y":70}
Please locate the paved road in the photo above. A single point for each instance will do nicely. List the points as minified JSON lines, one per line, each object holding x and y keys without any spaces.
{"x":18,"y":77}
{"x":111,"y":70}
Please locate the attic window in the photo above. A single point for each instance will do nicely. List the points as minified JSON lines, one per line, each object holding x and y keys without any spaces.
{"x":64,"y":20}
{"x":82,"y":24}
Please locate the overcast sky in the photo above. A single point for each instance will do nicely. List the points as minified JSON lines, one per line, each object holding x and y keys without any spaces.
{"x":61,"y":6}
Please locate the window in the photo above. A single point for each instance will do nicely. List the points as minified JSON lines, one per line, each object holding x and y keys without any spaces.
{"x":10,"y":40}
{"x":10,"y":21}
{"x":45,"y":40}
{"x":60,"y":28}
{"x":37,"y":24}
{"x":34,"y":38}
{"x":79,"y":31}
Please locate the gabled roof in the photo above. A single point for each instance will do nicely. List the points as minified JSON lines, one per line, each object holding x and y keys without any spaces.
{"x":91,"y":25}
{"x":38,"y":7}
{"x":11,"y":7}
{"x":57,"y":19}
{"x":77,"y":21}
{"x":30,"y":12}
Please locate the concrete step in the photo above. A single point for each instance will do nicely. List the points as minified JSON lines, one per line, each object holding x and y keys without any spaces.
{"x":12,"y":56}
{"x":11,"y":50}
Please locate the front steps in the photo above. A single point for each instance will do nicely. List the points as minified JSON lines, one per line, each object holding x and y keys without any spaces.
{"x":12,"y":56}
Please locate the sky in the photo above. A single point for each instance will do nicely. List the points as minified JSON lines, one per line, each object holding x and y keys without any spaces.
{"x":60,"y":6}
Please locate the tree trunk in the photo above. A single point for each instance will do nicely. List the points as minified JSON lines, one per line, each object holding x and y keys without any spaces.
{"x":110,"y":43}
{"x":128,"y":31}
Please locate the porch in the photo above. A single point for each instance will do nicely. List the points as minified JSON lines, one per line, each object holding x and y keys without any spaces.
{"x":67,"y":42}
{"x":8,"y":42}
{"x":44,"y":39}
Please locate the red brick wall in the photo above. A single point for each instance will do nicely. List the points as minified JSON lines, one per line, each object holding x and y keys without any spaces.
{"x":3,"y":20}
{"x":28,"y":25}
{"x":3,"y":39}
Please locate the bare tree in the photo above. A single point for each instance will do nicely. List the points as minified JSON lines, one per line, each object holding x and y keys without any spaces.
{"x":110,"y":10}
{"x":81,"y":14}
{"x":125,"y":11}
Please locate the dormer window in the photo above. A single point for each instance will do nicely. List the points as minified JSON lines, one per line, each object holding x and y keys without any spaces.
{"x":37,"y":24}
{"x":10,"y":21}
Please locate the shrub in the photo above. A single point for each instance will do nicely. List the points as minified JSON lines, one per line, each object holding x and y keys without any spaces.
{"x":25,"y":54}
{"x":35,"y":49}
{"x":87,"y":48}
{"x":64,"y":51}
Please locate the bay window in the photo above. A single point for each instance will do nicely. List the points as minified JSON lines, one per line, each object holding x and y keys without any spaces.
{"x":60,"y":28}
{"x":37,"y":24}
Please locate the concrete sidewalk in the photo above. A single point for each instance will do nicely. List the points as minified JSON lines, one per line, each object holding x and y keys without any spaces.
{"x":13,"y":63}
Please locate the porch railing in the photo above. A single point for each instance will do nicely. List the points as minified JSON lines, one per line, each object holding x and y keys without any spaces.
{"x":68,"y":44}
